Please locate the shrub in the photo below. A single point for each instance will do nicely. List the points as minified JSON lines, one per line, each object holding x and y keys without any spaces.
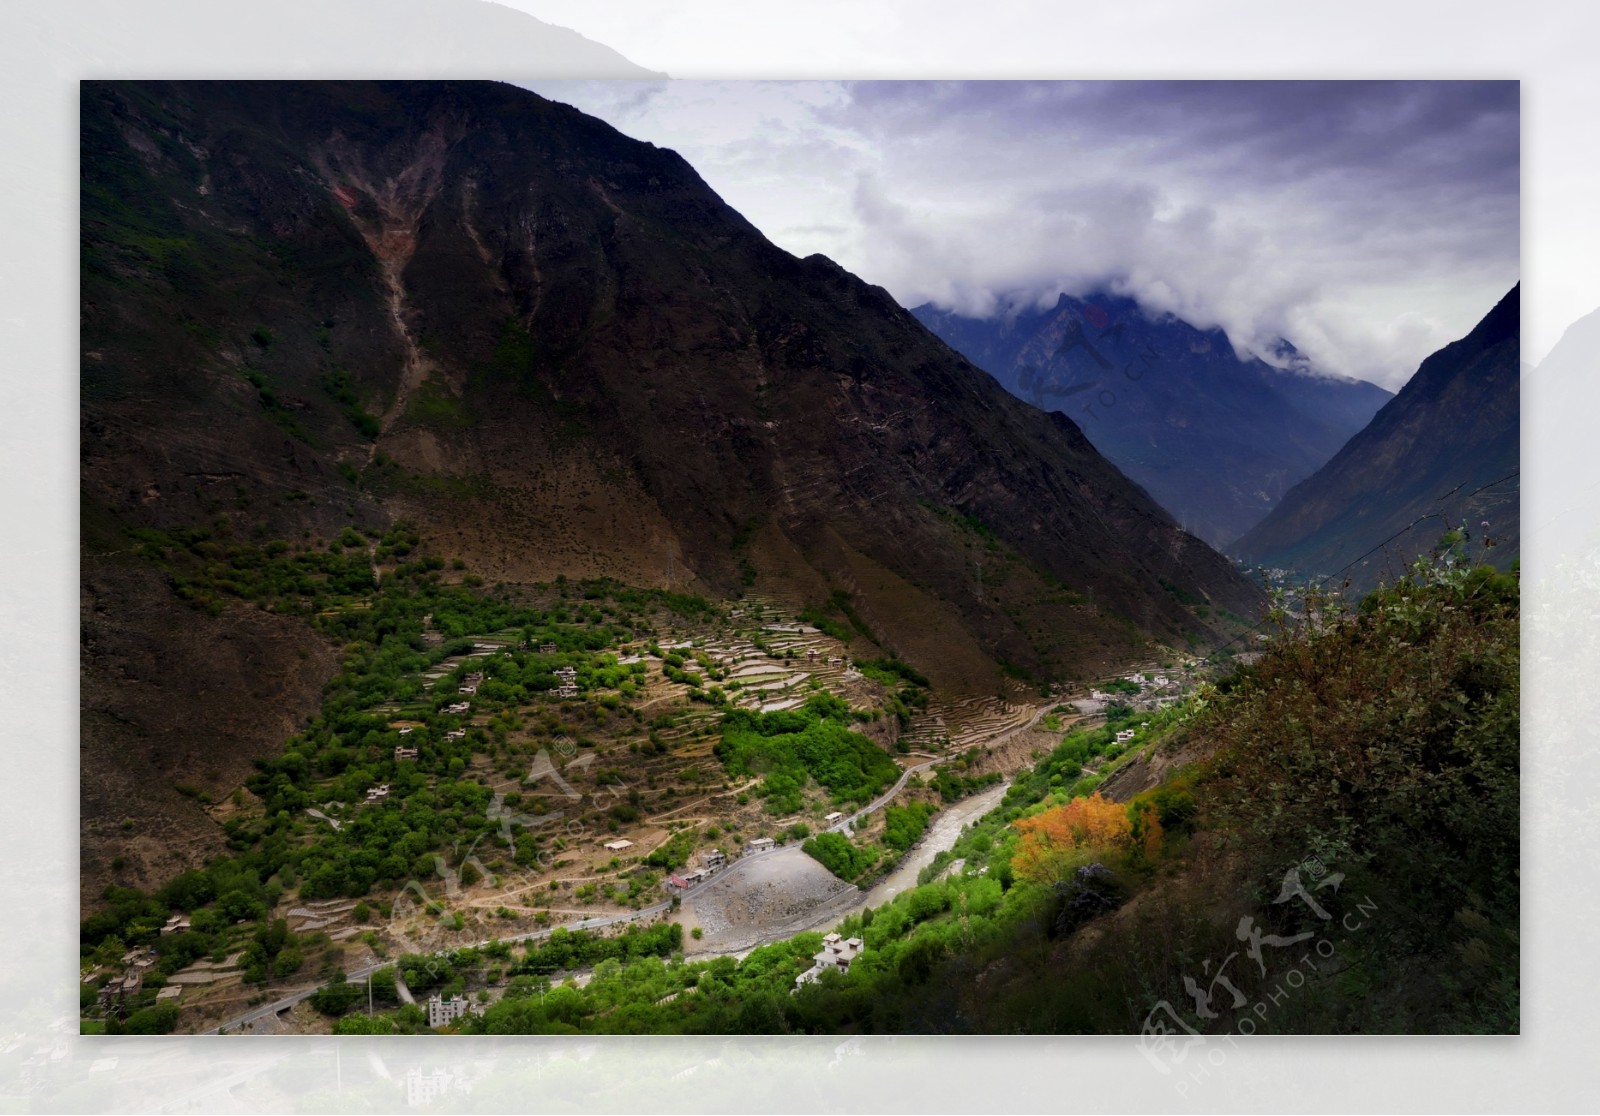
{"x":1055,"y":842}
{"x":837,"y":854}
{"x":904,"y":825}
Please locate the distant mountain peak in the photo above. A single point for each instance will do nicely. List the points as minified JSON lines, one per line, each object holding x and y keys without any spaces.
{"x":1216,"y":437}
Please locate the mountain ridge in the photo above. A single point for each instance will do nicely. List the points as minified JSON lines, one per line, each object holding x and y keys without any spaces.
{"x":1444,"y":453}
{"x":1215,"y":439}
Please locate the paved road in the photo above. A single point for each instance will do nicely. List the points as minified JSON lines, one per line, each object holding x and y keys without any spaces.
{"x":883,"y":800}
{"x":358,"y":976}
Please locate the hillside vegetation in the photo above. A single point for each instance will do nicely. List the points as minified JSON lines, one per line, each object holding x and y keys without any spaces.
{"x":1349,"y":817}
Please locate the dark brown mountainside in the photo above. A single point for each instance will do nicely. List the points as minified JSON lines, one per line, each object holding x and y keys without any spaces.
{"x":555,"y":351}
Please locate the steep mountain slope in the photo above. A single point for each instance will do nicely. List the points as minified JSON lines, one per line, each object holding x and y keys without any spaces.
{"x":555,"y":351}
{"x":1442,"y":453}
{"x":1215,"y":439}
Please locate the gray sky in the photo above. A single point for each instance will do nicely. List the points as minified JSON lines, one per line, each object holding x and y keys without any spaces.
{"x":1369,"y":223}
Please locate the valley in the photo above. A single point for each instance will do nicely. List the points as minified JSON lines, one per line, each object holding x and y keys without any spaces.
{"x":518,"y":597}
{"x":497,"y":763}
{"x":1217,"y":437}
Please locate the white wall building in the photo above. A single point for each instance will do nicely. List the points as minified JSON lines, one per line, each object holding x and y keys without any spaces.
{"x":835,"y":955}
{"x":442,"y":1011}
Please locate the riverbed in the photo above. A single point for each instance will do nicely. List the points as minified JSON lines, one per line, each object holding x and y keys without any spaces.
{"x":942,"y":834}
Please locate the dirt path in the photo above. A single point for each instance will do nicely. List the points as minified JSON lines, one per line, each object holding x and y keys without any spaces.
{"x":655,"y":818}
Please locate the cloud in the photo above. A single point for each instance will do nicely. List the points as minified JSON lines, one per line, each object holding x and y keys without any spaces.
{"x":1368,"y":222}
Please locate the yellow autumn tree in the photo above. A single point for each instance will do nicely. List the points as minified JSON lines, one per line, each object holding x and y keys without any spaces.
{"x":1057,"y":841}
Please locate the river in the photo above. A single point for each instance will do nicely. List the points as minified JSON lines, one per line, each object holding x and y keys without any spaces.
{"x":942,"y":834}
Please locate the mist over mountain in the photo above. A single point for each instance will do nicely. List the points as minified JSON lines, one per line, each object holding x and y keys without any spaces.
{"x":1443,"y":454}
{"x":1216,"y":439}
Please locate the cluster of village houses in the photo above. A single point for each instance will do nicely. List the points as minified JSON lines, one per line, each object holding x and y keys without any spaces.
{"x":713,"y":861}
{"x":408,"y":753}
{"x":1146,"y":685}
{"x":1157,"y":691}
{"x":136,"y":963}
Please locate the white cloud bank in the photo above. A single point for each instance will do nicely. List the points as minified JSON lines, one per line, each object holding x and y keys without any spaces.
{"x":1367,"y":222}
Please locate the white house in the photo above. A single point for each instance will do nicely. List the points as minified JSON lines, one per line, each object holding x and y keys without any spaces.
{"x":835,"y":955}
{"x":442,"y":1011}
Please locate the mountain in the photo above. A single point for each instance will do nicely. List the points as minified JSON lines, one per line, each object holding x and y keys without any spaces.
{"x":1215,"y":439}
{"x":1442,"y":453}
{"x":553,"y":350}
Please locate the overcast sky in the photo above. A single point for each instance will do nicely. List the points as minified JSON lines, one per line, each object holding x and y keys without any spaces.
{"x":1369,"y":223}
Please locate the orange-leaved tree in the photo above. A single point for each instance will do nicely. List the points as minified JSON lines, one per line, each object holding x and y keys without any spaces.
{"x":1055,"y":842}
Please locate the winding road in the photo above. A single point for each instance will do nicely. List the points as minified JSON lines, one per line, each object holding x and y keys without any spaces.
{"x":843,"y":826}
